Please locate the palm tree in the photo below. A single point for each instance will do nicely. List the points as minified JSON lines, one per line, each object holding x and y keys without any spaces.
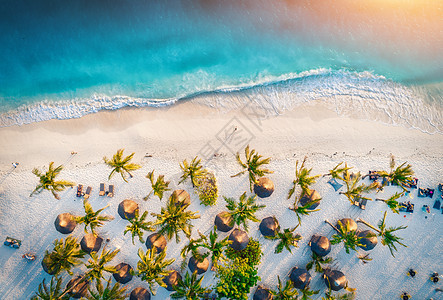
{"x":306,"y":293}
{"x":48,"y":182}
{"x":318,"y":261}
{"x":174,"y":218}
{"x":386,"y":234}
{"x":253,"y":165}
{"x":349,"y":237}
{"x":152,"y":267}
{"x":244,"y":210}
{"x":287,"y":239}
{"x":193,"y":170}
{"x":354,"y":190}
{"x":137,"y":226}
{"x":108,"y":293}
{"x":121,"y":165}
{"x":288,"y":292}
{"x":345,"y":296}
{"x":96,"y":264}
{"x":398,"y":176}
{"x":303,"y":210}
{"x":364,"y":258}
{"x":159,"y":187}
{"x":392,"y":202}
{"x":302,"y":178}
{"x":190,"y":288}
{"x":53,"y":292}
{"x":65,"y":255}
{"x":338,"y":171}
{"x":91,"y":218}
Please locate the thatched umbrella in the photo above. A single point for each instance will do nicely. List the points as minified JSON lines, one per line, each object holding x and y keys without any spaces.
{"x":335,"y":279}
{"x":199,"y":266}
{"x":262,"y":294}
{"x":90,"y":243}
{"x":45,"y":267}
{"x":171,"y":280}
{"x":351,"y":224}
{"x":65,"y":223}
{"x":181,"y":197}
{"x":140,"y":293}
{"x":239,"y":238}
{"x":224,"y":221}
{"x":123,"y":273}
{"x":368,"y":239}
{"x":300,"y":277}
{"x":264,"y":187}
{"x":320,"y":245}
{"x":127,"y":209}
{"x":311,"y":196}
{"x":156,"y":240}
{"x":80,"y":290}
{"x":269,"y":226}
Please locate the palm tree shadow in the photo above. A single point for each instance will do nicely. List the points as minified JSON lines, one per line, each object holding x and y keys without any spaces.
{"x":6,"y":175}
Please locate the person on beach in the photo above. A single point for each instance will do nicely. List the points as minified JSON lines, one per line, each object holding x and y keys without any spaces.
{"x":15,"y":164}
{"x":434,"y":277}
{"x":411,"y":272}
{"x":405,"y":296}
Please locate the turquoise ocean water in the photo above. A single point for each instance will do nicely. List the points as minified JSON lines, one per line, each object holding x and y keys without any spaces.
{"x":65,"y":59}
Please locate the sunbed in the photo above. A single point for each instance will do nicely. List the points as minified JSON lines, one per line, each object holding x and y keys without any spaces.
{"x":102,"y":189}
{"x":80,"y":190}
{"x":357,"y":201}
{"x":421,"y":192}
{"x":363,"y":204}
{"x":13,"y":243}
{"x":111,"y":190}
{"x":88,"y":192}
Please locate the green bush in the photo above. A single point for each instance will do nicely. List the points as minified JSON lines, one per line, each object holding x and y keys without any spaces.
{"x":206,"y":189}
{"x":236,"y":278}
{"x":252,"y":253}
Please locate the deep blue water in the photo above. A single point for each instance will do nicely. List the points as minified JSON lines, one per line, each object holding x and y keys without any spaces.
{"x":70,"y":50}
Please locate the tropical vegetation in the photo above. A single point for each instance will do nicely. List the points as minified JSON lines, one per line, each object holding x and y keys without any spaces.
{"x":52,"y":292}
{"x":400,"y":175}
{"x":137,"y":226}
{"x":286,"y":292}
{"x":243,"y":210}
{"x":194,"y":170}
{"x":92,"y":218}
{"x":97,"y":264}
{"x":47,"y":181}
{"x":251,"y":254}
{"x":303,"y":179}
{"x":287,"y":238}
{"x":190,"y":288}
{"x":392,"y":202}
{"x":206,"y":188}
{"x":349,"y":237}
{"x":158,"y":186}
{"x":122,"y":165}
{"x":65,"y":255}
{"x":114,"y":292}
{"x":318,"y":262}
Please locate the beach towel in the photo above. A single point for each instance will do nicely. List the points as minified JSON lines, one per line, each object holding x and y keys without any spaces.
{"x":335,"y":184}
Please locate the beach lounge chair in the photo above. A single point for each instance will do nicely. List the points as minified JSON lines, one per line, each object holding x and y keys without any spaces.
{"x":363,"y":204}
{"x":111,"y":191}
{"x":88,"y":192}
{"x":406,"y":207}
{"x":421,"y":193}
{"x":102,"y":189}
{"x":13,"y":243}
{"x":80,"y":190}
{"x":335,"y":184}
{"x":373,"y":175}
{"x":412,"y":183}
{"x":430,"y":193}
{"x":357,"y":201}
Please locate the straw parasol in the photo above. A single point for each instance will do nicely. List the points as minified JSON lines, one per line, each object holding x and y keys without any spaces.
{"x":300,"y":277}
{"x":127,"y":209}
{"x":65,"y":223}
{"x":199,"y":266}
{"x":351,"y":224}
{"x":320,"y":245}
{"x":239,"y":238}
{"x":90,"y":243}
{"x":262,"y":293}
{"x":335,"y":279}
{"x":80,"y":290}
{"x":123,"y":273}
{"x":171,"y":280}
{"x":156,"y":240}
{"x":181,"y":197}
{"x":269,"y":226}
{"x":45,"y":267}
{"x":311,"y":196}
{"x":264,"y":187}
{"x":224,"y":221}
{"x":368,"y":239}
{"x":140,"y":293}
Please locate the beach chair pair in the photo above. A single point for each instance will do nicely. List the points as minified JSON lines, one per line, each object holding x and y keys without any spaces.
{"x":412,"y":183}
{"x":360,"y":202}
{"x":425,"y":193}
{"x":13,"y":243}
{"x":407,"y":207}
{"x":109,"y":193}
{"x":88,"y":192}
{"x":373,"y":175}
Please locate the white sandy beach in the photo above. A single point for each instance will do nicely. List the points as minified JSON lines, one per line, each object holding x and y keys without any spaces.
{"x":182,"y":131}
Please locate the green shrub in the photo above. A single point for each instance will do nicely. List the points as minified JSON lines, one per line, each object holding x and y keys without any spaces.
{"x":236,"y":278}
{"x":251,"y":254}
{"x":206,"y":189}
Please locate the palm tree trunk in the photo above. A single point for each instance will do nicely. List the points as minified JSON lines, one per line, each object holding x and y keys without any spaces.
{"x":335,"y":228}
{"x":369,"y":225}
{"x":73,"y":286}
{"x":147,"y":197}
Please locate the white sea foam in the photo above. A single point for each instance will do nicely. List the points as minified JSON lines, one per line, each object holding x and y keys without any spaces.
{"x":356,"y":94}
